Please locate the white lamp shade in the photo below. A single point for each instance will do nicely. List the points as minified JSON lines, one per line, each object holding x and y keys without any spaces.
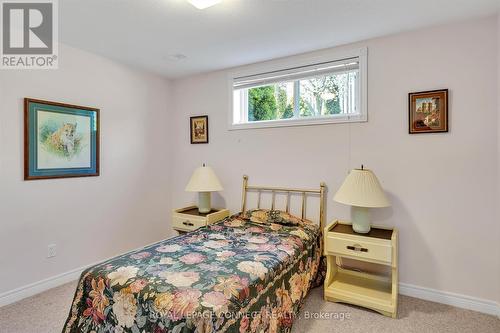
{"x":204,"y":180}
{"x":361,"y":188}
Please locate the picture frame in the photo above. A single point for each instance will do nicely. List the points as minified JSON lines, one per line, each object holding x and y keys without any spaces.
{"x":60,"y":140}
{"x":199,"y":129}
{"x":428,"y":111}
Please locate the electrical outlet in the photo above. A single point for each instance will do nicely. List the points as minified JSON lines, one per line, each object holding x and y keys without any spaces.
{"x":51,"y":251}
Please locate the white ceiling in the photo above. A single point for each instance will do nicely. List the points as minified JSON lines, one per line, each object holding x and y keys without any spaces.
{"x":149,"y":33}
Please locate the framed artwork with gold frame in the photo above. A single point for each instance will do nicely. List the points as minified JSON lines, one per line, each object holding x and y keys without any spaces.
{"x":428,"y":111}
{"x":199,"y":129}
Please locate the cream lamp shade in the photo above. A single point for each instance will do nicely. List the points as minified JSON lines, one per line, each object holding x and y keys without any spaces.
{"x":204,"y":181}
{"x":361,"y":189}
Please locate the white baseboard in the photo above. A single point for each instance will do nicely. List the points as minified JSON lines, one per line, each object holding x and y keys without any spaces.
{"x":31,"y":289}
{"x":433,"y":295}
{"x":444,"y":297}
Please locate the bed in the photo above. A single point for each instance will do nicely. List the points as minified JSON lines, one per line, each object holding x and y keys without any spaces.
{"x":247,"y":273}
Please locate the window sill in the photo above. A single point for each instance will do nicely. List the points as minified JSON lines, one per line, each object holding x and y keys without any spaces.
{"x":299,"y":122}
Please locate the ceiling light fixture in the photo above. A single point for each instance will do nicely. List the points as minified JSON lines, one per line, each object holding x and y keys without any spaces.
{"x":202,"y":4}
{"x":176,"y":57}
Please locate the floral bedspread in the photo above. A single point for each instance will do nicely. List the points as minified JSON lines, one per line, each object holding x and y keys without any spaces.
{"x":244,"y":274}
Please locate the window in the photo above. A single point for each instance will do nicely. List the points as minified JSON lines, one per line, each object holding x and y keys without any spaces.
{"x":323,"y":92}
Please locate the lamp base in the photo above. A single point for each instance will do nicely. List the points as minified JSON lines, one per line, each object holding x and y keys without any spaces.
{"x":204,"y":202}
{"x":360,"y":219}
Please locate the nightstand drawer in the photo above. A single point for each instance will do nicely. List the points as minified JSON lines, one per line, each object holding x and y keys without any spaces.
{"x":187,"y":223}
{"x":379,"y":251}
{"x":343,"y":283}
{"x":189,"y":218}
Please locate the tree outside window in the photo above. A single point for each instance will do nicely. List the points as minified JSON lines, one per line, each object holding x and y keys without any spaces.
{"x":319,"y":96}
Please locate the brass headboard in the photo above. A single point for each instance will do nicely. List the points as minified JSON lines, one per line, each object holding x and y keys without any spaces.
{"x":321,"y":191}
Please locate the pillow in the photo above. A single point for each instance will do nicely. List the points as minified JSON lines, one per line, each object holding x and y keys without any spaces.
{"x":274,"y":216}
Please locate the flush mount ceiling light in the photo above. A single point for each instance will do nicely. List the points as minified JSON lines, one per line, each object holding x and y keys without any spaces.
{"x":202,"y":4}
{"x":176,"y":57}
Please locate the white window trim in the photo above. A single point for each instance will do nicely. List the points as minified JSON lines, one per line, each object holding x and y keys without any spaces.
{"x":305,"y":60}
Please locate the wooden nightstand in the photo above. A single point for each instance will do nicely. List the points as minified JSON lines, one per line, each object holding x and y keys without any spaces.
{"x":189,"y":219}
{"x":379,"y":246}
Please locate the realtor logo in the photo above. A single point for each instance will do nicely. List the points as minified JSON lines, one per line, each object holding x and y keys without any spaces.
{"x":29,"y":34}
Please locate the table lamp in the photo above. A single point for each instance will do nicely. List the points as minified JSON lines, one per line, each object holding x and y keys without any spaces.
{"x":204,"y":181}
{"x":361,"y":189}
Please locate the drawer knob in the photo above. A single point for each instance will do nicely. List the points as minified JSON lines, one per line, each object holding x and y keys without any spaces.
{"x":357,"y":248}
{"x":189,"y":224}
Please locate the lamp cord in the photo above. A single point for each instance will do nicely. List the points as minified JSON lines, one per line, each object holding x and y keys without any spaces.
{"x":349,"y":144}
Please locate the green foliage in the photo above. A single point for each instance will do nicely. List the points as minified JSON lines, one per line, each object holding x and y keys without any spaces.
{"x":315,"y":88}
{"x":285,"y":109}
{"x":288,"y":112}
{"x":261,"y":103}
{"x":333,"y":106}
{"x":305,"y":108}
{"x":46,"y":130}
{"x":318,"y":96}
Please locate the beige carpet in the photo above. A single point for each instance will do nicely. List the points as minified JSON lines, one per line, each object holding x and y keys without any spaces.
{"x":46,"y":313}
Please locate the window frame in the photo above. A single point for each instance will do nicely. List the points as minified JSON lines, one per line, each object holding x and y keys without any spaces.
{"x":304,"y":60}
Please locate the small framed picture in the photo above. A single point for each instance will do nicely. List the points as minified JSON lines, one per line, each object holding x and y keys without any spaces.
{"x":60,"y":140}
{"x":428,"y":111}
{"x":199,"y":129}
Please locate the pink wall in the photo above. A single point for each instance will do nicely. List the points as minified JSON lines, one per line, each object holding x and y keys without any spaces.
{"x":443,"y":187}
{"x":89,"y":219}
{"x":498,"y":144}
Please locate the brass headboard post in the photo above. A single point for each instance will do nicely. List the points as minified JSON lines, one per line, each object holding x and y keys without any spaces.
{"x":303,"y":205}
{"x":244,"y":194}
{"x":322,"y":203}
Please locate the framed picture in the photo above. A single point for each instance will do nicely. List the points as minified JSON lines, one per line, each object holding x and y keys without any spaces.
{"x":428,"y":111}
{"x":199,"y":129}
{"x":60,"y":140}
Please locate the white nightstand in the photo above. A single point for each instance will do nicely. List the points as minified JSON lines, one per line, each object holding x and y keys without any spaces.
{"x":189,"y":219}
{"x":379,"y":246}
